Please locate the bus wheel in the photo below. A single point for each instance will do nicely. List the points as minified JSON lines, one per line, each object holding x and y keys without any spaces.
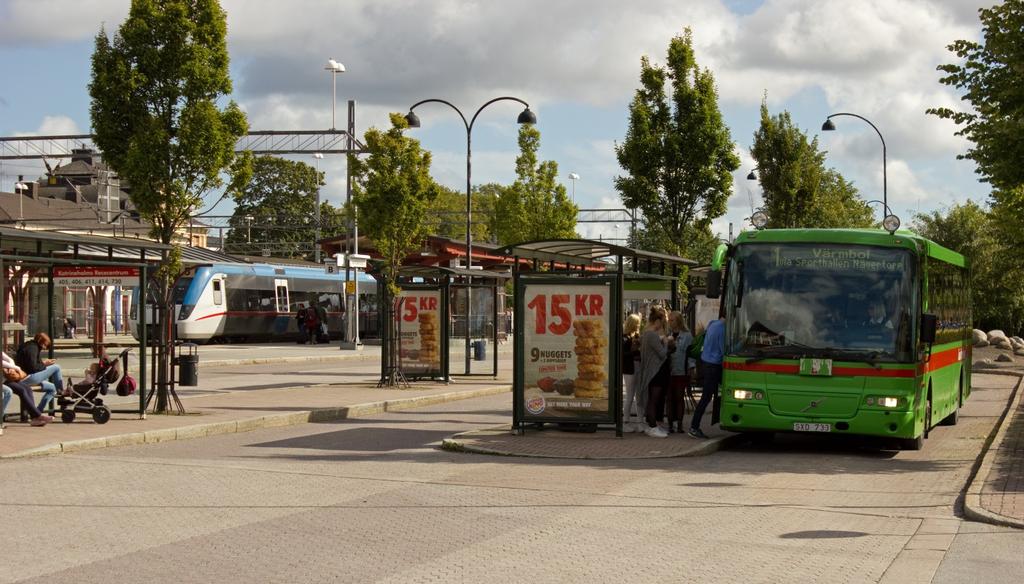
{"x":953,"y":418}
{"x":912,"y":443}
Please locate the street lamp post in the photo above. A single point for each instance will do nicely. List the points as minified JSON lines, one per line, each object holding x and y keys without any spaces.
{"x":334,"y":67}
{"x":525,"y":117}
{"x":20,"y":188}
{"x":574,"y":177}
{"x":316,"y":215}
{"x":828,"y":126}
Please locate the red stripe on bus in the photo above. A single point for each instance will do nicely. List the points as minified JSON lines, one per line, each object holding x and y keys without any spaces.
{"x":836,"y":371}
{"x":211,"y":316}
{"x":943,"y":359}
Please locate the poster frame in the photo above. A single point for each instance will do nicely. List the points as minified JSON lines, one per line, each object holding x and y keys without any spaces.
{"x":442,"y":289}
{"x":520,"y":418}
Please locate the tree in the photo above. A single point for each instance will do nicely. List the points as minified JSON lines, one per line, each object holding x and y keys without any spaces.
{"x":798,"y":190}
{"x":990,"y":77}
{"x":535,"y":206}
{"x":971,"y":230}
{"x":678,"y":154}
{"x":155,"y":115}
{"x":448,"y":213}
{"x":393,"y":194}
{"x":281,"y":201}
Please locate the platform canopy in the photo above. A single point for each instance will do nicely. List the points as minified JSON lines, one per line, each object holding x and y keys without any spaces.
{"x":589,"y":253}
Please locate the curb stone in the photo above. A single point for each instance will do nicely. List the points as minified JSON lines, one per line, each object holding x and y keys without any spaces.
{"x":973,"y":509}
{"x":453,"y":444}
{"x":256,"y":423}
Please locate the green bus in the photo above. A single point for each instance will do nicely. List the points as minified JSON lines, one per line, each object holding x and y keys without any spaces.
{"x":844,"y":331}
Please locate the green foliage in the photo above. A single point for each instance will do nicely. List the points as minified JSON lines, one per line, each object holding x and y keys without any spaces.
{"x":996,"y":270}
{"x":155,"y":116}
{"x":154,"y":108}
{"x":281,"y":200}
{"x":798,"y":190}
{"x":393,"y":194}
{"x":447,"y":217}
{"x":535,"y":206}
{"x":990,"y":76}
{"x":678,"y":154}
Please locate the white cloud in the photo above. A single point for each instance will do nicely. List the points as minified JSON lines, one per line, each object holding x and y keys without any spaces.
{"x":40,"y":22}
{"x":53,"y":126}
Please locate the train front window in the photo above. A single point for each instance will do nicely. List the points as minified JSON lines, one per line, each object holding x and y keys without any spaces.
{"x":180,"y":288}
{"x":829,"y":300}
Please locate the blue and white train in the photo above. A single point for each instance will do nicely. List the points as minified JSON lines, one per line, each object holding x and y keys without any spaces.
{"x":253,"y":302}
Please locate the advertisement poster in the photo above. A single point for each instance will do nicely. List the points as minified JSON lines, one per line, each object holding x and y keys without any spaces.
{"x":566,"y":364}
{"x":419,"y":332}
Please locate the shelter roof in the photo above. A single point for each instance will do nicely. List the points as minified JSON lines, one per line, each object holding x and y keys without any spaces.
{"x":589,"y":251}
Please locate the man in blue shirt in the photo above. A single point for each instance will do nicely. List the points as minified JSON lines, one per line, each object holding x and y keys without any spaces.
{"x":711,"y":358}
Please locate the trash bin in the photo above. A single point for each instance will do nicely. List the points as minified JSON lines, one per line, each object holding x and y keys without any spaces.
{"x":479,"y":350}
{"x":188,"y":364}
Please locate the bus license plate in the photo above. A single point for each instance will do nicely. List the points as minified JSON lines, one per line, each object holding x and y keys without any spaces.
{"x":805,"y":427}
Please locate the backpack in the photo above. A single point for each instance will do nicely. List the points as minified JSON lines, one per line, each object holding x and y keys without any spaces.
{"x":696,"y":347}
{"x":127,"y":386}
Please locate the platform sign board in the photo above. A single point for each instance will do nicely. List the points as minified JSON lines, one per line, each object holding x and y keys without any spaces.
{"x":567,"y":356}
{"x":419,"y":313}
{"x":82,"y":276}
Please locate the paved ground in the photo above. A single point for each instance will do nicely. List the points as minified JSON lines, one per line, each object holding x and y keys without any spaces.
{"x":997,"y":494}
{"x":375,"y":500}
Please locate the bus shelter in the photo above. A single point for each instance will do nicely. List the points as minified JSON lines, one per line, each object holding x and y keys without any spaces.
{"x":424,"y":315}
{"x":29,"y":255}
{"x":569,"y":310}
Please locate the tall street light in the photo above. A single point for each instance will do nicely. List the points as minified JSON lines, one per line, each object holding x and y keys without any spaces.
{"x":316,"y":216}
{"x":20,"y":188}
{"x":334,"y":67}
{"x":525,"y":117}
{"x":574,"y":177}
{"x":828,"y":126}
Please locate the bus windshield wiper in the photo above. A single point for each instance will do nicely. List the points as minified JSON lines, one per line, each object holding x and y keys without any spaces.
{"x":868,"y":358}
{"x":762,"y":353}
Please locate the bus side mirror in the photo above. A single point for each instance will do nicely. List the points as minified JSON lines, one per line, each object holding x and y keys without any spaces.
{"x":928,"y":326}
{"x":714,"y":284}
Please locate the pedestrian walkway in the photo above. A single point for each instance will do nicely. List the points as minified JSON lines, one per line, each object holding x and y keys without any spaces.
{"x":240,"y":411}
{"x":996,"y":493}
{"x":551,"y":442}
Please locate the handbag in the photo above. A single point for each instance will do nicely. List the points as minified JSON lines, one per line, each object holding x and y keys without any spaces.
{"x":13,"y":374}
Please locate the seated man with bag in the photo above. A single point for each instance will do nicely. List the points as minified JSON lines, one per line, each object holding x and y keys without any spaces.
{"x":45,"y":372}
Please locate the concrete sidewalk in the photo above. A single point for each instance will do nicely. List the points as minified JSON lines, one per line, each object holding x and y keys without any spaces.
{"x":239,"y":411}
{"x":996,"y":492}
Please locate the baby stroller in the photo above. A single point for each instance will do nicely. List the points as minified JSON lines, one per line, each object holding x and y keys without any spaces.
{"x":86,"y":397}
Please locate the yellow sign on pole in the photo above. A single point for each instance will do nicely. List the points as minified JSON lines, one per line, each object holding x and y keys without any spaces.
{"x":350,"y":287}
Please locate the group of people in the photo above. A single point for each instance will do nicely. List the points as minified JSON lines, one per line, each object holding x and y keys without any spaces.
{"x":311,"y":322}
{"x":26,"y":369}
{"x":658,"y":366}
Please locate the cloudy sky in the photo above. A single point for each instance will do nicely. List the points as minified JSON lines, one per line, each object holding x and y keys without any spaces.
{"x":575,"y":61}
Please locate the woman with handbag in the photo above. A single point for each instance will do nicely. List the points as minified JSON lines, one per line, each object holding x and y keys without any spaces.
{"x":12,"y":383}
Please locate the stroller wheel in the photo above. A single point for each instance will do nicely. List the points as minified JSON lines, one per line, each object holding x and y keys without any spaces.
{"x":67,"y":416}
{"x":101,"y":414}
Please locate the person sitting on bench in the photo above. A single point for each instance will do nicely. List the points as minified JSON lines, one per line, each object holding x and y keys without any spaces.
{"x":45,"y":372}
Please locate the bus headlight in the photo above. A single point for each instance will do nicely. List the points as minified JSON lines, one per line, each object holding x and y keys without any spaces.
{"x":888,"y":402}
{"x":742,"y":394}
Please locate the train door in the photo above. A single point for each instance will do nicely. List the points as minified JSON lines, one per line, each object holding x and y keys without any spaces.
{"x":218,"y":291}
{"x":281,"y":305}
{"x":281,"y":295}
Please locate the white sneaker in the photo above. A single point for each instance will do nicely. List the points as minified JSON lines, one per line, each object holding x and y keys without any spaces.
{"x":656,"y":432}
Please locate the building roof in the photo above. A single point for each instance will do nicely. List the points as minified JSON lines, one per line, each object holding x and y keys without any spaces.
{"x":45,"y":213}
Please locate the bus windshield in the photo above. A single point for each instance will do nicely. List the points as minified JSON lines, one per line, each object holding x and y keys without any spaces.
{"x":838,"y":301}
